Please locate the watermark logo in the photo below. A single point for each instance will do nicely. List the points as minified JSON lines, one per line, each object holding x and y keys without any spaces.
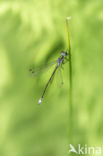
{"x":85,"y":150}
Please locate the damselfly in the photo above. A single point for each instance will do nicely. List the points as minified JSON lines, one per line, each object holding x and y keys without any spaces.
{"x":59,"y":63}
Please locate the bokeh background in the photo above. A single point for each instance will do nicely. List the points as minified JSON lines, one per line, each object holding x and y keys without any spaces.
{"x":34,"y":32}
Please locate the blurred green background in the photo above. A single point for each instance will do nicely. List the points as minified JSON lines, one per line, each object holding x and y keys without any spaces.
{"x":34,"y":32}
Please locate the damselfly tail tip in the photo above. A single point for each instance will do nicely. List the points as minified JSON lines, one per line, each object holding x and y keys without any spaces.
{"x":40,"y":100}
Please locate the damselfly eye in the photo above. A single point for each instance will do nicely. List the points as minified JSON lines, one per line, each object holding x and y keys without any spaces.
{"x":64,"y":53}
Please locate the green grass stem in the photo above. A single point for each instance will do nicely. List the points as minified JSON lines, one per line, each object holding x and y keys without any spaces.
{"x":70,"y":82}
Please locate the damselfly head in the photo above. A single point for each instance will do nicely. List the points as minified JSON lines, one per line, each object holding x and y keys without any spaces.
{"x":64,"y":53}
